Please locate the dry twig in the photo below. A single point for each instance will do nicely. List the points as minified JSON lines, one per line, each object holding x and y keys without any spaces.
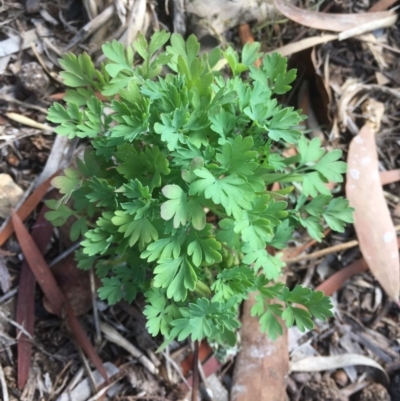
{"x":3,"y":383}
{"x":326,"y":251}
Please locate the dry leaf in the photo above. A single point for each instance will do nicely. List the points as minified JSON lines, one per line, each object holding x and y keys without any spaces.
{"x":388,"y":177}
{"x":25,"y":315}
{"x":112,"y":335}
{"x":5,"y":278}
{"x":328,"y":21}
{"x":373,"y":224}
{"x":382,"y":5}
{"x":334,"y":282}
{"x":19,"y":118}
{"x":304,"y":44}
{"x":83,"y":390}
{"x":74,"y":283}
{"x":369,"y":26}
{"x":48,"y":284}
{"x":320,"y":363}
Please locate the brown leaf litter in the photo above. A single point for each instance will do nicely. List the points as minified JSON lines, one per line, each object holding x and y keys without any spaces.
{"x":351,"y":71}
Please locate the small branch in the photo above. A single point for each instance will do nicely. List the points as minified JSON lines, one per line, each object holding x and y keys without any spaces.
{"x":94,"y":307}
{"x":327,"y":251}
{"x":3,"y":383}
{"x":323,"y":252}
{"x":64,"y":254}
{"x":177,"y":368}
{"x":195,"y":386}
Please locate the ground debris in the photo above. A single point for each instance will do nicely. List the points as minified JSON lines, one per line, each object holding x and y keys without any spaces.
{"x":324,"y":389}
{"x":10,"y":194}
{"x":374,"y":392}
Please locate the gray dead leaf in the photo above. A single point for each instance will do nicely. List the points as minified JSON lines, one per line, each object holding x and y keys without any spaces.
{"x":321,"y":363}
{"x":13,"y":43}
{"x":83,"y":390}
{"x":219,"y":16}
{"x":5,"y":278}
{"x":60,"y":157}
{"x":215,"y":389}
{"x":114,"y":336}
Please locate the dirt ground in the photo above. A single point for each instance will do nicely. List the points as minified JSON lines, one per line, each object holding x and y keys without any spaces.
{"x":335,"y":79}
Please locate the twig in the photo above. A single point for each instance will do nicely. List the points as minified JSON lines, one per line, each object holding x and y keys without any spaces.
{"x":18,"y":326}
{"x":94,"y":307}
{"x":140,"y":397}
{"x":10,"y":99}
{"x":203,"y":378}
{"x":326,"y":251}
{"x":177,"y":368}
{"x":4,"y":389}
{"x":58,"y":379}
{"x":92,"y":380}
{"x":21,"y":119}
{"x":168,"y":364}
{"x":323,"y":252}
{"x":104,"y":390}
{"x":112,"y":335}
{"x":64,"y":254}
{"x":195,"y":386}
{"x":8,"y":295}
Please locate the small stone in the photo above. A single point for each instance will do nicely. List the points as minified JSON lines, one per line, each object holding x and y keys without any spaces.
{"x":12,"y":160}
{"x":32,"y":6}
{"x":340,"y":377}
{"x":10,"y":194}
{"x":33,"y":79}
{"x":218,"y":391}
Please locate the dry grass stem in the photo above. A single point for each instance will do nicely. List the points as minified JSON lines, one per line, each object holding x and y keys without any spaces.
{"x":326,"y":251}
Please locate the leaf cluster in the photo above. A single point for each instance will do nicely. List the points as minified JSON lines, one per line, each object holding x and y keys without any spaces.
{"x":171,"y":197}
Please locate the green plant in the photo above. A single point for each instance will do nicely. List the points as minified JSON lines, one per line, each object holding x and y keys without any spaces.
{"x":171,"y":198}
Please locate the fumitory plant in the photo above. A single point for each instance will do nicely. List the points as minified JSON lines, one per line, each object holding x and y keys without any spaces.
{"x":172,"y":198}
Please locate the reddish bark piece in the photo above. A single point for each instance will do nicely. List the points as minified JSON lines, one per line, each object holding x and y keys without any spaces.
{"x":372,"y":221}
{"x":336,"y":281}
{"x":25,"y":316}
{"x":61,"y":95}
{"x":57,"y":96}
{"x":327,"y":21}
{"x":263,"y":365}
{"x":210,"y":366}
{"x":204,"y":352}
{"x":27,"y":208}
{"x":388,"y":177}
{"x":53,"y":293}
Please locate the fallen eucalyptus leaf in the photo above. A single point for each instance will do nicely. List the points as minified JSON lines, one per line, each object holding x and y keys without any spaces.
{"x":328,"y":21}
{"x":372,"y":221}
{"x":321,"y":363}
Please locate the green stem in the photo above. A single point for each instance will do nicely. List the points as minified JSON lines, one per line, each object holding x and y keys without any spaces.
{"x":89,"y":224}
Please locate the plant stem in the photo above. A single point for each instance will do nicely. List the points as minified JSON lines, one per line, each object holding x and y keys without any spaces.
{"x":195,"y":386}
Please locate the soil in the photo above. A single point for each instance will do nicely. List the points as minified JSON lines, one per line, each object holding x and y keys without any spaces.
{"x":366,"y":321}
